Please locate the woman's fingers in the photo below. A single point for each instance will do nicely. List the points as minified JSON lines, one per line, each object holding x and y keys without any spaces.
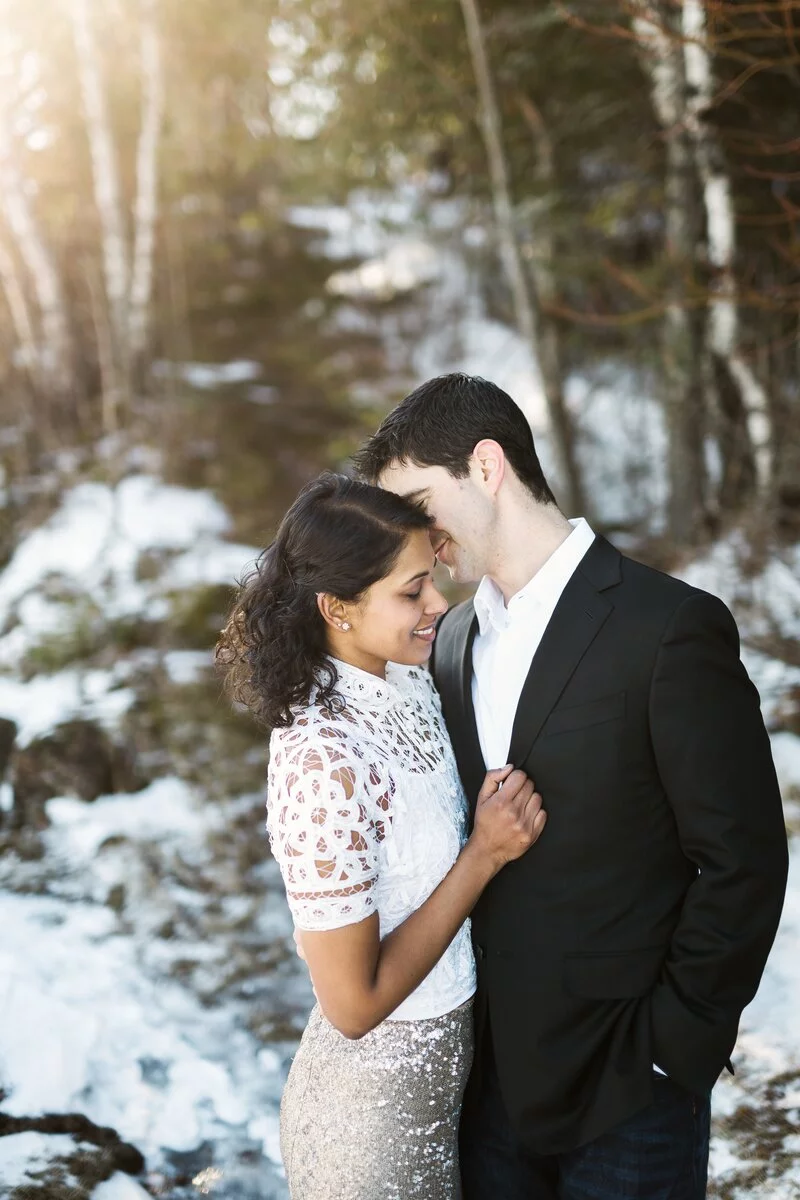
{"x":515,"y":785}
{"x":495,"y":779}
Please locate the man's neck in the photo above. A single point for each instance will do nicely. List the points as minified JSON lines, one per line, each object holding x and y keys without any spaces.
{"x":527,"y":539}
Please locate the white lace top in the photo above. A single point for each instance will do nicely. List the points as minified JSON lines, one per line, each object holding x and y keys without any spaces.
{"x":366,"y":813}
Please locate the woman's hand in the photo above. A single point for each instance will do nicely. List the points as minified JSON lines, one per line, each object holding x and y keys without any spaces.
{"x":509,"y":816}
{"x":359,"y":977}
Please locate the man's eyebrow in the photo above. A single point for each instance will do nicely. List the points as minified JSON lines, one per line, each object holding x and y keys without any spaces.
{"x":419,"y":495}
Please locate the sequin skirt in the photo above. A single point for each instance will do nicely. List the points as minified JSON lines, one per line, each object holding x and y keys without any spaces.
{"x":377,"y":1118}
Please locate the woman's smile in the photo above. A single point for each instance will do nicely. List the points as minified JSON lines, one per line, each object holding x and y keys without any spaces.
{"x":427,"y":633}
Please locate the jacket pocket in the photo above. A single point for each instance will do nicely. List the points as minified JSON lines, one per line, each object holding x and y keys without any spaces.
{"x":579,"y":716}
{"x":613,"y":975}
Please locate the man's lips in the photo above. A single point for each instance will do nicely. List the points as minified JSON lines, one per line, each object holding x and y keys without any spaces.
{"x":440,"y":546}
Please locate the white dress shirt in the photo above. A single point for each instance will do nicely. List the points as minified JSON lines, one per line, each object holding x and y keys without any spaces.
{"x":508,"y":638}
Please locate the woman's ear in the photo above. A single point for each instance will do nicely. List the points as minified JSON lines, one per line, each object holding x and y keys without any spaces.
{"x":333,"y":611}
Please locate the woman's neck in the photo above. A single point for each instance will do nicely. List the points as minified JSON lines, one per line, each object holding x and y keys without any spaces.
{"x":350,"y":654}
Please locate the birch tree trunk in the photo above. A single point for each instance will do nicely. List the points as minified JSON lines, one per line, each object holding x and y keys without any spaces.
{"x":21,"y":318}
{"x":662,"y":59}
{"x":146,"y":205}
{"x":53,"y":365}
{"x":108,"y":200}
{"x":723,"y":324}
{"x":525,"y":313}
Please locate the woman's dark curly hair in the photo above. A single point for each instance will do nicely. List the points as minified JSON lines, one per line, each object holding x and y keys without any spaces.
{"x":340,"y":536}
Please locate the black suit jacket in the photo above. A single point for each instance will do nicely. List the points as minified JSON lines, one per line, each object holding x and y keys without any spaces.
{"x":636,"y":930}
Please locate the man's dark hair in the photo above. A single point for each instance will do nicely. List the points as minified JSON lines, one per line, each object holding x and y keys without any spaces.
{"x":440,"y":423}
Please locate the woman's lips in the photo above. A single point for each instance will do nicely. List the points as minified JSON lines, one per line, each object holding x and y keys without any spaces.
{"x":426,"y":634}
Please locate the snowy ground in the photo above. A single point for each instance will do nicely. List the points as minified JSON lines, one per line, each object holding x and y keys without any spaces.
{"x":102,"y":1011}
{"x":756,"y":1146}
{"x":94,"y":1017}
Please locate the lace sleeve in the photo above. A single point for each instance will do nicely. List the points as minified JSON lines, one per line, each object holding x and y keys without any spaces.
{"x":328,"y":801}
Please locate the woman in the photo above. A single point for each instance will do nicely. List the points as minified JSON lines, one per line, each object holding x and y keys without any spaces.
{"x":327,"y":644}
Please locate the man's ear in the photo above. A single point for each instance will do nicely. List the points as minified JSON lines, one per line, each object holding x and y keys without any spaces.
{"x":490,"y":461}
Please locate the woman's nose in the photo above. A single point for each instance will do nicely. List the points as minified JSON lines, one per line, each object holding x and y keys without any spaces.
{"x":436,"y":603}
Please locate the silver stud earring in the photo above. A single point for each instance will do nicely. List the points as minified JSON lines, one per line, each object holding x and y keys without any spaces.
{"x":345,"y":626}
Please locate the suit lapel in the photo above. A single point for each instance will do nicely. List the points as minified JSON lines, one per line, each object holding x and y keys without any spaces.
{"x":453,"y":673}
{"x":578,"y":618}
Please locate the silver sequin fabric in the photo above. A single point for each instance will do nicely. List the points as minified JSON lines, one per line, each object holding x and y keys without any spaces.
{"x":377,"y":1118}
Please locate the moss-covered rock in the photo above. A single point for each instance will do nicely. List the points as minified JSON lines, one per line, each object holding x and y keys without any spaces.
{"x":197,"y":615}
{"x":56,"y":1171}
{"x":79,"y":758}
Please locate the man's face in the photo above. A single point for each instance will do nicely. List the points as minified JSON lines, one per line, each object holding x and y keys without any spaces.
{"x":461,"y":510}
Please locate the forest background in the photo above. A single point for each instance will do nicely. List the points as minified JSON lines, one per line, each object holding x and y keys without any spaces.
{"x":232,"y":235}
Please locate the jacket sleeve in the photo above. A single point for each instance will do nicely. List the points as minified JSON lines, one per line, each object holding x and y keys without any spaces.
{"x":715,"y":763}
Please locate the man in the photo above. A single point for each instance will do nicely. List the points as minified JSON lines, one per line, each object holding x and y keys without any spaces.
{"x":615,"y":958}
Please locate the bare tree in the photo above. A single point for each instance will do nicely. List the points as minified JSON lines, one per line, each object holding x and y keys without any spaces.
{"x":662,"y":59}
{"x":108,"y":200}
{"x":542,"y":265}
{"x":21,"y":317}
{"x":723,"y":323}
{"x":51,"y":350}
{"x":127,"y":261}
{"x":525,"y":311}
{"x":146,"y":206}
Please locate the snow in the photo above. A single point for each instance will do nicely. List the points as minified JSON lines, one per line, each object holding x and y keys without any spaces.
{"x":120,"y":1187}
{"x":45,"y":701}
{"x":622,"y":445}
{"x":100,"y":531}
{"x":402,"y":268}
{"x":74,"y":996}
{"x":208,"y":562}
{"x":786,"y":753}
{"x":21,"y":1154}
{"x":206,"y":376}
{"x":167,"y":808}
{"x":766,"y":599}
{"x":92,"y":545}
{"x":91,"y":1019}
{"x":770,"y":1029}
{"x":88,"y":992}
{"x":80,"y":568}
{"x":433,"y":250}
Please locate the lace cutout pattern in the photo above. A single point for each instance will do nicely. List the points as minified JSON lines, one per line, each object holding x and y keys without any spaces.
{"x":326,"y":830}
{"x":366,"y":814}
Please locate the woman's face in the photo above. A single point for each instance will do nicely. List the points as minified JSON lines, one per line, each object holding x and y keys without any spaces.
{"x":394,"y":620}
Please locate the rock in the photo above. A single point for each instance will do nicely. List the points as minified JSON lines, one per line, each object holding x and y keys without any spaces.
{"x":197,"y":615}
{"x":77,"y":759}
{"x":60,"y":1156}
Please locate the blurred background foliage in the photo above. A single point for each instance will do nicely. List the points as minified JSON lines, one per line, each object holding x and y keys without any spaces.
{"x":238,"y":113}
{"x":232,"y":235}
